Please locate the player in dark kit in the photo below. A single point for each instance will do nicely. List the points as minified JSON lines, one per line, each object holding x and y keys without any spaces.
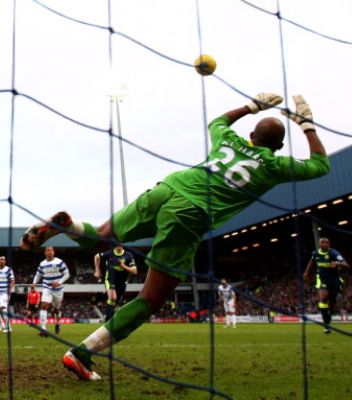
{"x":327,"y":262}
{"x":119,"y":265}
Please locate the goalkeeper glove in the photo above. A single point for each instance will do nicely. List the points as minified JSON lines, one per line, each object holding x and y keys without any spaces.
{"x":303,"y":115}
{"x":263,"y":101}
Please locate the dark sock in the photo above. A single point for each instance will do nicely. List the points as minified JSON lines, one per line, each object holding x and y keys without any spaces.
{"x":109,"y":311}
{"x":325,"y":313}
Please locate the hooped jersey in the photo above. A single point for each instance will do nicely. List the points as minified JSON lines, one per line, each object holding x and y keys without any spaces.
{"x":322,"y":260}
{"x":226,"y":293}
{"x":51,"y":271}
{"x":6,"y":276}
{"x":239,"y":173}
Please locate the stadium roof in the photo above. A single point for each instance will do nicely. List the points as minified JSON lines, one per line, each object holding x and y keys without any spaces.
{"x":278,"y":201}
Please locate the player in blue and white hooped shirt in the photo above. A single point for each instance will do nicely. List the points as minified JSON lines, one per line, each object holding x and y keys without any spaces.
{"x":228,"y":297}
{"x":7,"y":283}
{"x":53,"y":272}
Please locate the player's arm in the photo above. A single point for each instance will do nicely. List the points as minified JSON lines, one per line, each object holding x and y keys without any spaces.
{"x":11,"y":285}
{"x":308,"y":270}
{"x":234,"y":115}
{"x":97,"y":272}
{"x":315,"y":145}
{"x":263,"y":101}
{"x":303,"y":116}
{"x":220,"y":126}
{"x":38,"y":301}
{"x":318,"y":164}
{"x":343,"y":264}
{"x":37,"y":277}
{"x":131,"y":269}
{"x":340,"y":262}
{"x":66,"y":274}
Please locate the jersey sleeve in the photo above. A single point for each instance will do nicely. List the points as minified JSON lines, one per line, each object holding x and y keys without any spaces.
{"x":289,"y":168}
{"x":63,"y":267}
{"x":218,"y":129}
{"x":11,"y":276}
{"x":37,"y":277}
{"x":40,"y":270}
{"x":337,"y":256}
{"x":130,"y":260}
{"x":104,"y":256}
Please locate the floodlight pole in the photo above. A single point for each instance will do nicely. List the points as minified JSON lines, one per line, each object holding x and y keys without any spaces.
{"x":117,"y":99}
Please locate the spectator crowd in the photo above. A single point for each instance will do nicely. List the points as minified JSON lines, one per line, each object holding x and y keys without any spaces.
{"x":274,"y":282}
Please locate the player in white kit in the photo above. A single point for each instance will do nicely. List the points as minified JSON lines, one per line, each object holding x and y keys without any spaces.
{"x":7,"y":283}
{"x":54,"y":272}
{"x":228,"y":296}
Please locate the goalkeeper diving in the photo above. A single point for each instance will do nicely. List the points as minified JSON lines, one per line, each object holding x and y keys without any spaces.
{"x":178,"y":211}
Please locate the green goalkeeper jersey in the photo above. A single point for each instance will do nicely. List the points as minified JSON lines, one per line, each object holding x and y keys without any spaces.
{"x":240,"y":173}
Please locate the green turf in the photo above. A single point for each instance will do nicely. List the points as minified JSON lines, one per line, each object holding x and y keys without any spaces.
{"x":252,"y":362}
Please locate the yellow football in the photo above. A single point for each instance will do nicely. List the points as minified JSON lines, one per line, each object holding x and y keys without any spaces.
{"x":205,"y":64}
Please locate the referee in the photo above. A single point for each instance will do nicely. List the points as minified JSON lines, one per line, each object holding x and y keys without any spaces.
{"x":33,"y":301}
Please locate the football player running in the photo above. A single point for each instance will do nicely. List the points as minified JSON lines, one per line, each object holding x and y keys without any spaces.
{"x":327,"y":262}
{"x":53,"y":272}
{"x":119,"y":265}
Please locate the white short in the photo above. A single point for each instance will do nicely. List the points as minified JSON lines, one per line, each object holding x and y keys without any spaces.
{"x":229,"y":306}
{"x":53,"y":297}
{"x":4,"y":300}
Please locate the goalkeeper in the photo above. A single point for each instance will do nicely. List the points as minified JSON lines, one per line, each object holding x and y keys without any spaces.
{"x":180,"y":210}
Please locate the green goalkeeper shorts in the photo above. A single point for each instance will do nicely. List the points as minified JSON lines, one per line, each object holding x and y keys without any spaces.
{"x":175,"y":223}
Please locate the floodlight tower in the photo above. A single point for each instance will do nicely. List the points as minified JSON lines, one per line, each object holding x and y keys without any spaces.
{"x":119,"y":93}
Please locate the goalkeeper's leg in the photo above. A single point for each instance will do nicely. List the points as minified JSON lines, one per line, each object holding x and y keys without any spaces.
{"x":157,"y":288}
{"x":85,"y":234}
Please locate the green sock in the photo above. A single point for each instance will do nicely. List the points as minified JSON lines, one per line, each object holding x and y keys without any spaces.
{"x":128,"y":318}
{"x":88,"y":242}
{"x":124,"y":321}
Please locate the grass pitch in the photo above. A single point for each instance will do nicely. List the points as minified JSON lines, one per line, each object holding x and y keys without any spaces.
{"x":252,"y":362}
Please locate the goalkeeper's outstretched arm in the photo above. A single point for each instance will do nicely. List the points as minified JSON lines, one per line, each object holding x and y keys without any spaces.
{"x":261,"y":102}
{"x":303,"y":116}
{"x":315,"y":145}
